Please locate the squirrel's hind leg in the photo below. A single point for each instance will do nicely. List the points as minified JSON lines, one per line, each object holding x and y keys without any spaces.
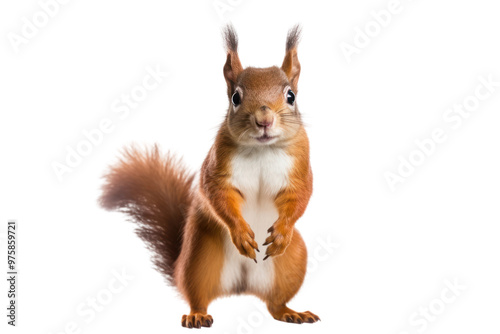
{"x":290,"y":270}
{"x":199,"y":267}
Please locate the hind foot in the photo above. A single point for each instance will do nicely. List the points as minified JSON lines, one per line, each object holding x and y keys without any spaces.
{"x":288,"y":315}
{"x":197,"y":320}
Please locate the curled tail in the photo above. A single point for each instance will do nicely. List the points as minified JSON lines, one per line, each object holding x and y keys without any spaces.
{"x":155,"y":191}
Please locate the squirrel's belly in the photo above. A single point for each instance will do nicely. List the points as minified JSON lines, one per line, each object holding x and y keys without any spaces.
{"x":259,"y":174}
{"x":241,"y":274}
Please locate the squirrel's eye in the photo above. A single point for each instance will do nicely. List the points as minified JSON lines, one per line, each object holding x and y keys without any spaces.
{"x":290,"y":97}
{"x":236,"y":98}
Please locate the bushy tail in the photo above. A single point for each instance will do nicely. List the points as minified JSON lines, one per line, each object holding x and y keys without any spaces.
{"x":155,"y":191}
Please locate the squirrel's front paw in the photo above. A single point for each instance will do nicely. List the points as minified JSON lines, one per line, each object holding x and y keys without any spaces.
{"x":243,"y":239}
{"x":280,"y":238}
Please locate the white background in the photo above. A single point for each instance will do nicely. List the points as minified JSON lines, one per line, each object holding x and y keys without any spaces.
{"x":395,"y":249}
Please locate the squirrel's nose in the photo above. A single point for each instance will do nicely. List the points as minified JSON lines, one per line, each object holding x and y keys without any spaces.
{"x":266,"y":122}
{"x":264,"y":117}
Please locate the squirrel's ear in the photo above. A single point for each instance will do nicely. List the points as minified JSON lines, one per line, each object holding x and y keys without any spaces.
{"x":291,"y":65}
{"x":233,"y":67}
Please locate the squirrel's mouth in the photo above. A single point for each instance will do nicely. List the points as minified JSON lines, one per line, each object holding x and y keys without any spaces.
{"x":265,"y":138}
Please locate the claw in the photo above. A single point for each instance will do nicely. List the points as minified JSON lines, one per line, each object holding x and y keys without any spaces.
{"x":265,"y":257}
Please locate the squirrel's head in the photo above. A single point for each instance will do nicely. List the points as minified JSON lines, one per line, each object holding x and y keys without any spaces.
{"x":262,"y":101}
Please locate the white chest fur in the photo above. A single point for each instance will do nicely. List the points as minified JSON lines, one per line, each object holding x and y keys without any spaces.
{"x":259,"y":173}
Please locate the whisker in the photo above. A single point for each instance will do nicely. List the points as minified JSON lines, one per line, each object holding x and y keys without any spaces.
{"x":242,"y":134}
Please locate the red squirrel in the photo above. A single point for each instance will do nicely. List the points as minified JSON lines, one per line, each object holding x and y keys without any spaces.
{"x":255,"y":183}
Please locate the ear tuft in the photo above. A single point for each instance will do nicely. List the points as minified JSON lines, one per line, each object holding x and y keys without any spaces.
{"x":232,"y":67}
{"x":230,"y":38}
{"x":291,"y":64}
{"x":293,"y":37}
